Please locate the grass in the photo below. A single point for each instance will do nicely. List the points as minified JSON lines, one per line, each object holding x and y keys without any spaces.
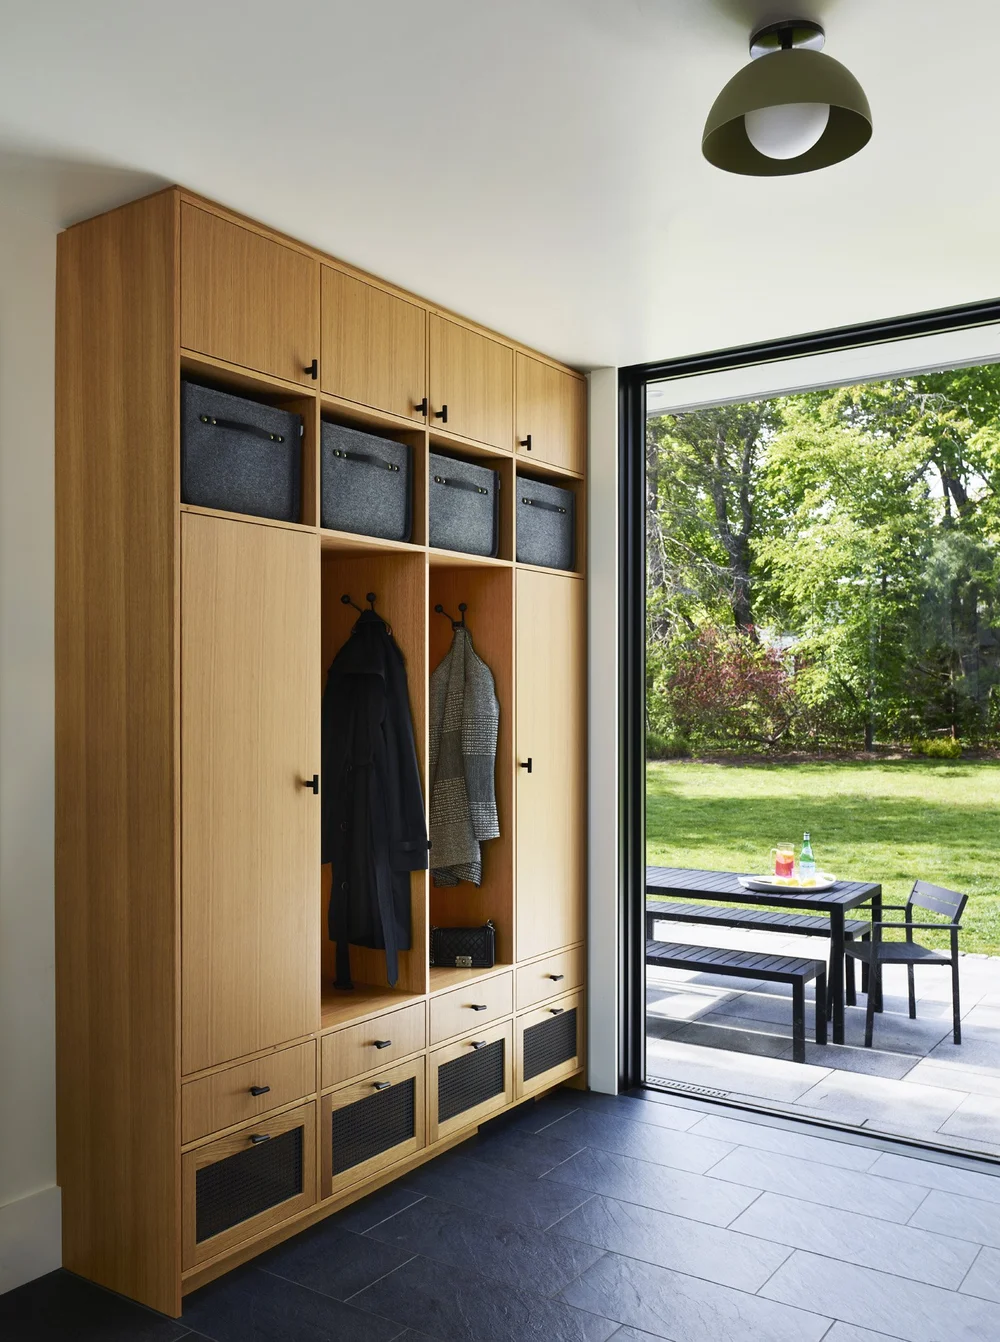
{"x":893,"y":822}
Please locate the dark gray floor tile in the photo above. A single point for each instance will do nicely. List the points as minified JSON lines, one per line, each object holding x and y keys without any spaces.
{"x":529,"y":1153}
{"x":938,"y":1260}
{"x":883,"y":1303}
{"x":362,"y":1215}
{"x":495,"y":1191}
{"x":965,"y":1218}
{"x":685,"y":1309}
{"x":60,"y":1307}
{"x":674,"y":1241}
{"x":467,"y":1307}
{"x":252,"y":1306}
{"x":536,"y":1115}
{"x":648,"y":1185}
{"x":511,"y":1254}
{"x":331,"y":1260}
{"x":611,"y":1132}
{"x":787,"y":1141}
{"x":659,"y":1112}
{"x":813,"y":1182}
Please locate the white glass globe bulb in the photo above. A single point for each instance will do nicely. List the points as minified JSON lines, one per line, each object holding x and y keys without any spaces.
{"x":788,"y":130}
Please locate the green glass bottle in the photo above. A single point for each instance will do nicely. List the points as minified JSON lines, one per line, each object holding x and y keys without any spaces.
{"x":807,"y":863}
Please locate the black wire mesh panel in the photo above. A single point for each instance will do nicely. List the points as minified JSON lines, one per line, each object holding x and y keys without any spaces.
{"x":248,"y":1183}
{"x":469,"y":1080}
{"x":549,"y":1043}
{"x":375,"y":1124}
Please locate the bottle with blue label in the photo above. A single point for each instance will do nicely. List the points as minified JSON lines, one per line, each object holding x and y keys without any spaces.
{"x":807,"y":863}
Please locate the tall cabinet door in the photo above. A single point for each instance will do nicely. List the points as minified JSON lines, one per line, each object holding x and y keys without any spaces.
{"x":374,"y":346}
{"x":250,"y":741}
{"x":551,"y":414}
{"x":550,"y":709}
{"x":472,"y":383}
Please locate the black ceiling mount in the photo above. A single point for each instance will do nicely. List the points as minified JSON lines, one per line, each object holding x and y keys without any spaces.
{"x":788,"y":35}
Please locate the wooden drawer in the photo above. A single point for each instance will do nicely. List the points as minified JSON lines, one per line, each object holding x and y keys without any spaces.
{"x":469,"y":1080}
{"x":373,"y":1044}
{"x":238,"y":1186}
{"x":469,"y":1008}
{"x":370,"y":1124}
{"x":549,"y":1043}
{"x":550,"y":977}
{"x":227,"y":1098}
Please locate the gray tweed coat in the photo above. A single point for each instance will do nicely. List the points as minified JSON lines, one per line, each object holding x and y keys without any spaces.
{"x":464,"y":718}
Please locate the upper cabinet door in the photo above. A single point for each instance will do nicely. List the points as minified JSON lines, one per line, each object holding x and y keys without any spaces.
{"x":472,"y":384}
{"x":247,"y":299}
{"x":551,"y":414}
{"x":374,"y":346}
{"x":551,"y":759}
{"x":250,"y":824}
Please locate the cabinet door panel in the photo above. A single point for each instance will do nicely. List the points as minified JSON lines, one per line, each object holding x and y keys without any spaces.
{"x":250,"y":717}
{"x":550,"y":704}
{"x":552,"y":410}
{"x":374,"y":346}
{"x":474,"y":377}
{"x":247,"y":299}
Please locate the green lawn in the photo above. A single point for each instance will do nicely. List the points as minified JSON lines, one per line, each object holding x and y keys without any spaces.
{"x":893,"y":822}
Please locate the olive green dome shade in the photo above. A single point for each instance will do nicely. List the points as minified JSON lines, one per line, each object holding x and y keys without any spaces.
{"x":796,"y":76}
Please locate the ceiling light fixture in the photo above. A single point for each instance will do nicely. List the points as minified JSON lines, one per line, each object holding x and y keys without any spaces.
{"x":792,"y":109}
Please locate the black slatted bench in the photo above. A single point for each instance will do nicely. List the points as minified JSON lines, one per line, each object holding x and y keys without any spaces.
{"x":752,"y":965}
{"x":763,"y":920}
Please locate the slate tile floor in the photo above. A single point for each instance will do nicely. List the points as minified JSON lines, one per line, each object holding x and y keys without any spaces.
{"x":583,"y":1218}
{"x":735,"y":1036}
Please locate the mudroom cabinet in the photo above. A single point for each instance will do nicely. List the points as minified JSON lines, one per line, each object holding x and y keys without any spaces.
{"x":217,"y":1091}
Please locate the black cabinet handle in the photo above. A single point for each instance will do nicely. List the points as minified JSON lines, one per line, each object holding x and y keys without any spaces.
{"x":556,"y":977}
{"x":382,"y":1043}
{"x":382,"y":1085}
{"x":312,"y":783}
{"x":557,"y":1011}
{"x":422,"y":407}
{"x":477,"y":1007}
{"x":259,"y":1090}
{"x":442,"y":414}
{"x":312,"y":369}
{"x":481,"y":1043}
{"x":526,"y":764}
{"x":259,"y":1137}
{"x":525,"y":442}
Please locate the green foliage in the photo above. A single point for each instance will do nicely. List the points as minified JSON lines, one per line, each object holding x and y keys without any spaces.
{"x":674,"y":747}
{"x":938,"y":748}
{"x":855,"y":534}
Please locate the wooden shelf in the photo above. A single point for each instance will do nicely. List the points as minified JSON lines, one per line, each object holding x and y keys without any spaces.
{"x":442,"y":978}
{"x":242,"y":381}
{"x":341,"y":1006}
{"x":459,"y":559}
{"x":350,"y":542}
{"x":356,"y":415}
{"x":468,"y":448}
{"x":531,"y":466}
{"x":560,"y":572}
{"x":246,"y":517}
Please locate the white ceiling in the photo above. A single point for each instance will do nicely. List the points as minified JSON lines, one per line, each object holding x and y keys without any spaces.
{"x":536,"y":164}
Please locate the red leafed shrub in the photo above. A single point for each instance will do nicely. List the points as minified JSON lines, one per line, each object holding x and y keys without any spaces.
{"x":724,"y":689}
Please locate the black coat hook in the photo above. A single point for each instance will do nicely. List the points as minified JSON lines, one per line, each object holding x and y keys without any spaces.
{"x":346,"y":600}
{"x":455,"y":624}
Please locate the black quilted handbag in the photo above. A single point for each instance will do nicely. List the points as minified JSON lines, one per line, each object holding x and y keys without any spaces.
{"x":464,"y":947}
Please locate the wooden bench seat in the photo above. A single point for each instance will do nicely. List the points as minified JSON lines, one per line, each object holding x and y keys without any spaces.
{"x":753,"y":965}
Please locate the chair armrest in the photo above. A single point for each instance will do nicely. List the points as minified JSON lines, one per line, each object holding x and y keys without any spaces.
{"x":930,"y":927}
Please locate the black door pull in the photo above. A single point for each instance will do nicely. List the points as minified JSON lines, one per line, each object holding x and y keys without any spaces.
{"x":259,"y":1090}
{"x":312,"y":783}
{"x":478,"y":1007}
{"x":526,"y":764}
{"x":480,"y":1043}
{"x":382,"y":1043}
{"x":312,"y":369}
{"x":382,"y":1085}
{"x":421,"y":407}
{"x":557,"y":1011}
{"x":259,"y":1137}
{"x":556,"y":977}
{"x":525,"y":442}
{"x":442,"y":414}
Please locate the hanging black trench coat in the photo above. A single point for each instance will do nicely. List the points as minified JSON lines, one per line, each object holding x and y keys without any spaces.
{"x":374,"y":830}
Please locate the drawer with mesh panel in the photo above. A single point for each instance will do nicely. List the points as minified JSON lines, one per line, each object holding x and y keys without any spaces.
{"x":239,"y":1185}
{"x":549,"y":1044}
{"x":470,"y":1079}
{"x":370,"y":1124}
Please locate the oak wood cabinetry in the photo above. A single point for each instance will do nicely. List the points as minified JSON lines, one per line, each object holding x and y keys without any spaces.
{"x":216,"y":1091}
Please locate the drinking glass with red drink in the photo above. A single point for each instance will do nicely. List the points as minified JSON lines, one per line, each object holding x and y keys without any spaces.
{"x":784,"y":859}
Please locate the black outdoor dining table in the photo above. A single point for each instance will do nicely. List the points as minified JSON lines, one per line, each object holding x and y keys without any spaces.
{"x":724,"y":886}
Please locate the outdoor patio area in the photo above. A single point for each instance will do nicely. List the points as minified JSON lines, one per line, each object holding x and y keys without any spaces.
{"x":735,"y":1036}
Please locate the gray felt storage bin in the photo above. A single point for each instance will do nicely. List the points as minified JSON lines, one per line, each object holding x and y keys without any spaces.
{"x":365,"y":484}
{"x":239,"y":455}
{"x":546,"y":524}
{"x":464,"y":506}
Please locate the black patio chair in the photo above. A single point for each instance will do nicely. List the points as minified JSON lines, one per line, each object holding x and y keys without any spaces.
{"x":876,"y":953}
